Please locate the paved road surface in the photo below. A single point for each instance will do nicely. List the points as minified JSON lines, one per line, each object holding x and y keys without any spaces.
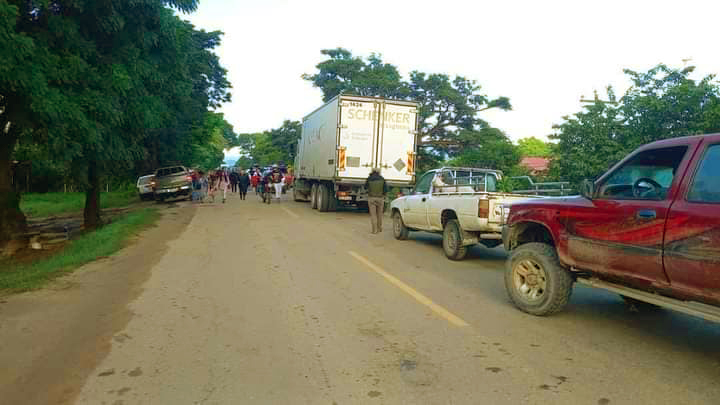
{"x":281,"y":304}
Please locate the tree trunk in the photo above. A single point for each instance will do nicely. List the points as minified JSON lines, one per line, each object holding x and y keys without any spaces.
{"x":12,"y":221}
{"x":92,"y":197}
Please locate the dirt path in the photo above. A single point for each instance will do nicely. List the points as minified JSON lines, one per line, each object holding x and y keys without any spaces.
{"x":51,"y":339}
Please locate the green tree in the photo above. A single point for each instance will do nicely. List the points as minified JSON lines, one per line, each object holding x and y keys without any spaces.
{"x":272,"y":146}
{"x":533,"y":147}
{"x":662,"y":103}
{"x":448,"y":106}
{"x":345,"y":73}
{"x":93,"y":81}
{"x":244,"y":162}
{"x":490,"y":149}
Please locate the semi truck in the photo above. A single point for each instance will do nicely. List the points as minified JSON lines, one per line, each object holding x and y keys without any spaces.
{"x":345,"y":139}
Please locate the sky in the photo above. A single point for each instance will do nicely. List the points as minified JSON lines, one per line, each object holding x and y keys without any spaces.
{"x":544,"y":55}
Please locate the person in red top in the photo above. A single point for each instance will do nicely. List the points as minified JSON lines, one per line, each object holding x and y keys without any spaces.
{"x":289,"y":178}
{"x":254,"y":181}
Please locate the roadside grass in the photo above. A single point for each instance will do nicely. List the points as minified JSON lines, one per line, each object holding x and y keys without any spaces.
{"x":18,"y":277}
{"x":40,"y":205}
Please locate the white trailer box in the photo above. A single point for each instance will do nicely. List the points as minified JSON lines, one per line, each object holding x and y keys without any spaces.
{"x":346,"y":138}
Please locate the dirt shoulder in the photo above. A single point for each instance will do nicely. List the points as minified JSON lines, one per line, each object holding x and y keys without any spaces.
{"x":50,"y":340}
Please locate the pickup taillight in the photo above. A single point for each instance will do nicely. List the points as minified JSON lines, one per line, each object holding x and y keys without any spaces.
{"x":484,"y":208}
{"x":188,"y":178}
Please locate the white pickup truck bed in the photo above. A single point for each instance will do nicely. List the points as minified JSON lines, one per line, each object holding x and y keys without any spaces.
{"x":461,"y":203}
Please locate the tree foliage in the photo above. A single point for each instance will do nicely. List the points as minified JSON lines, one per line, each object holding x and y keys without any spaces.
{"x":272,"y":146}
{"x":662,"y":103}
{"x":533,"y":147}
{"x":101,"y":87}
{"x":449,"y":107}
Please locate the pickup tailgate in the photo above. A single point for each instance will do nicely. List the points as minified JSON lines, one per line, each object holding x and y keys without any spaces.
{"x":172,"y":181}
{"x":499,"y":206}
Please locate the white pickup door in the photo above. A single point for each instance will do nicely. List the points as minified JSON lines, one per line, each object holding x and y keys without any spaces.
{"x":415,"y":209}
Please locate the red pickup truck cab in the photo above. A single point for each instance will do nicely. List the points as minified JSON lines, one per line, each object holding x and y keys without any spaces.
{"x":648,"y":229}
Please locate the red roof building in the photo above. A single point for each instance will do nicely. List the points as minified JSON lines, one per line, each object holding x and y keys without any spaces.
{"x":536,"y":165}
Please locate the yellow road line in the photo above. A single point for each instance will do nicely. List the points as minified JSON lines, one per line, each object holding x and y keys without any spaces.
{"x":449,"y":316}
{"x":292,"y":214}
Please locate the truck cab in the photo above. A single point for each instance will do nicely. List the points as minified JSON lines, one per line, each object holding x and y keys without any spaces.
{"x":648,"y":229}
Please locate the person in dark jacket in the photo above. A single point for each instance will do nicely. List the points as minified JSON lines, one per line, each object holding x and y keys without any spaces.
{"x":243,"y":183}
{"x":234,"y":177}
{"x":377,"y":189}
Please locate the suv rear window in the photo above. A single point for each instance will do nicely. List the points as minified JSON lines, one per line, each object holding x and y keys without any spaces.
{"x":706,"y":185}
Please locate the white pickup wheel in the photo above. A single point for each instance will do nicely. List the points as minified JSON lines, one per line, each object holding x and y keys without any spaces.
{"x":400,"y":231}
{"x":452,"y":241}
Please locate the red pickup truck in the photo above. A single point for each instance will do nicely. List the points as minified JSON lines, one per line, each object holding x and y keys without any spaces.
{"x":648,"y":229}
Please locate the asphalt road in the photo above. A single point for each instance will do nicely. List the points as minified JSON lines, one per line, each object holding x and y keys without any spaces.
{"x":281,"y":304}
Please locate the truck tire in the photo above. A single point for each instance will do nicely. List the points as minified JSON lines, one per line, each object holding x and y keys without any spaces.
{"x":296,"y":195}
{"x":452,"y":241}
{"x":313,"y":196}
{"x":323,"y":198}
{"x":400,"y":231}
{"x":332,"y":202}
{"x":536,"y":281}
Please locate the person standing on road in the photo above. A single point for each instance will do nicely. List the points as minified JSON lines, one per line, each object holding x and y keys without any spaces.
{"x":276,"y":177}
{"x":243,"y":183}
{"x":377,"y":189}
{"x":234,"y":177}
{"x":254,"y":181}
{"x":221,"y":184}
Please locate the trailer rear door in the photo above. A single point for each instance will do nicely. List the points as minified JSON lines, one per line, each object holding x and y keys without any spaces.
{"x":358,"y":131}
{"x":396,"y":150}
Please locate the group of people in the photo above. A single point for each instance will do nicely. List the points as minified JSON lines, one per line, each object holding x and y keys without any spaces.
{"x":272,"y":180}
{"x":208,"y":185}
{"x":237,"y":181}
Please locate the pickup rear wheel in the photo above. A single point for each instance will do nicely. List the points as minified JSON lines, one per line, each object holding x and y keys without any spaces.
{"x":400,"y":231}
{"x":452,"y":241}
{"x":535,"y":280}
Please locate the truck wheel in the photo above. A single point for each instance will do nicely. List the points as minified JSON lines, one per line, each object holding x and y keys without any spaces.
{"x":323,"y":198}
{"x":313,"y":196}
{"x":452,"y":241}
{"x":332,"y":201}
{"x":535,"y":280}
{"x":296,"y":195}
{"x":399,"y":230}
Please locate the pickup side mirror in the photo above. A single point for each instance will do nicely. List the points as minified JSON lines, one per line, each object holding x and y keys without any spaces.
{"x":587,"y":189}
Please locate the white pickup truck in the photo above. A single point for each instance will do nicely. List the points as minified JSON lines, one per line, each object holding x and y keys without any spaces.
{"x":461,"y":203}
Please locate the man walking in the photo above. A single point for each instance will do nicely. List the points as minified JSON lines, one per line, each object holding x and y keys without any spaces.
{"x":377,"y":188}
{"x":243,"y":183}
{"x":276,"y":178}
